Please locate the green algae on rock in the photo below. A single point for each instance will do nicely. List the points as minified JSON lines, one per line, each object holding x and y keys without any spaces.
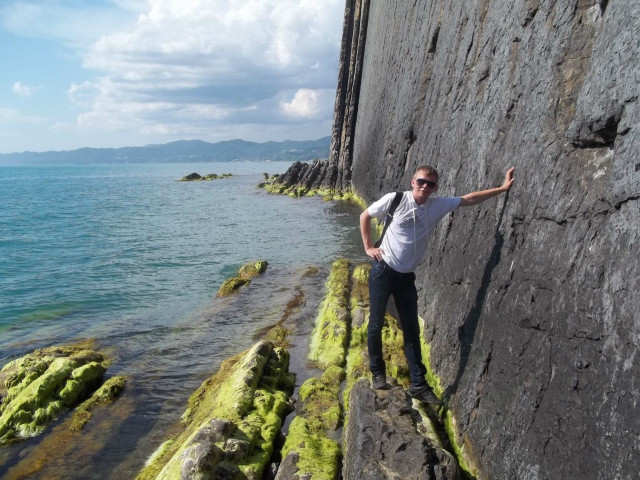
{"x":194,"y":177}
{"x":318,"y":398}
{"x":232,"y":420}
{"x":251,"y":270}
{"x":243,"y":277}
{"x":330,"y":334}
{"x":37,"y":388}
{"x":231,"y":285}
{"x":108,"y":392}
{"x":308,"y":451}
{"x":309,"y":454}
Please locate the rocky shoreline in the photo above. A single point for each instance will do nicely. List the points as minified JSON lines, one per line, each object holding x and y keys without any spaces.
{"x":340,"y":427}
{"x":244,"y":422}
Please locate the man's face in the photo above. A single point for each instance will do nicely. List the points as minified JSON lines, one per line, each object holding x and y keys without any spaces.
{"x":423,"y":186}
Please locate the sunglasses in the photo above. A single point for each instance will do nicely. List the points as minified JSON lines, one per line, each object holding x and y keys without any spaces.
{"x":421,"y":182}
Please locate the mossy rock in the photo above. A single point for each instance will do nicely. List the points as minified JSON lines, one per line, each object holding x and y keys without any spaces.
{"x":38,"y":387}
{"x":243,"y":277}
{"x":279,"y":335}
{"x":330,"y":335}
{"x":319,"y":400}
{"x":109,"y":392}
{"x":316,"y":456}
{"x":231,"y":285}
{"x":308,"y":451}
{"x":232,"y":420}
{"x":251,"y":270}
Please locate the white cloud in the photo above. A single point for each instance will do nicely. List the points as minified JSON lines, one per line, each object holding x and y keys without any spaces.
{"x":24,"y":90}
{"x":308,"y":103}
{"x":198,"y":61}
{"x":210,"y":69}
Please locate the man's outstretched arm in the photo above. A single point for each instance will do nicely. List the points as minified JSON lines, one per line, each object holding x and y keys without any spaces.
{"x":480,"y":196}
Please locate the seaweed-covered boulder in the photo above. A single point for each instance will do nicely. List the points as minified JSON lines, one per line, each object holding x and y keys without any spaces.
{"x":232,"y":420}
{"x":243,"y":277}
{"x":309,"y":453}
{"x":250,"y":270}
{"x":231,"y":285}
{"x":37,"y":388}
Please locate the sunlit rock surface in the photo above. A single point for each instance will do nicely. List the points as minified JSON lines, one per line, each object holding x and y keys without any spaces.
{"x":527,"y":297}
{"x":381,"y":440}
{"x":232,"y":420}
{"x":37,"y":388}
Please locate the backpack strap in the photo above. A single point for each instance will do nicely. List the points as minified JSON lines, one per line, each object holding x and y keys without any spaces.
{"x":389,"y":216}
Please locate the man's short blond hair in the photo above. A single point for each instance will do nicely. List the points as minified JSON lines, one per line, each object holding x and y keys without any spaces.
{"x":427,"y":170}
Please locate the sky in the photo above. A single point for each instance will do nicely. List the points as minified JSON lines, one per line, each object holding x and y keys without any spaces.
{"x":114,"y":73}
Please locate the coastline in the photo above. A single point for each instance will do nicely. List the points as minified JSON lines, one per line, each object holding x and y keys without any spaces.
{"x":330,"y":388}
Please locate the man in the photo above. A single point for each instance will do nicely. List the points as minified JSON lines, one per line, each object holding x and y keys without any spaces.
{"x":403,"y":246}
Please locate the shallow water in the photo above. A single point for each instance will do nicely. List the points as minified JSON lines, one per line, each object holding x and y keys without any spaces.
{"x":128,"y":256}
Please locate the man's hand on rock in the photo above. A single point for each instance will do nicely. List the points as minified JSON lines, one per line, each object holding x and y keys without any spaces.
{"x":508,"y":179}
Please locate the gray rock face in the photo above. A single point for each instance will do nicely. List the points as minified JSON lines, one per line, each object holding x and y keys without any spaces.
{"x":380,"y":441}
{"x":530,"y":299}
{"x":307,"y":175}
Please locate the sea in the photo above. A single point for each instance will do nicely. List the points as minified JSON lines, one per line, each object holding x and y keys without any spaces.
{"x":131,"y":258}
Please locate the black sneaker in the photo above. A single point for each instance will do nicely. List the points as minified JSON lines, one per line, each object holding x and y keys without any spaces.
{"x":424,"y":394}
{"x":379,"y":382}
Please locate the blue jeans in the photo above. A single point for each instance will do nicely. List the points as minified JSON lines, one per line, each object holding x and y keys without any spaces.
{"x":384,"y":282}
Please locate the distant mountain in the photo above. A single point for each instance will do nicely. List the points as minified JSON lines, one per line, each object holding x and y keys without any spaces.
{"x":181,"y":151}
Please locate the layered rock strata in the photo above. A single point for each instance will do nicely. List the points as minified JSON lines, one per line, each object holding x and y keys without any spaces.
{"x":531,"y":322}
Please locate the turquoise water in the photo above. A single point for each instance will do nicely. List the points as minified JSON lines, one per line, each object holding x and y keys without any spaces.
{"x":128,"y":256}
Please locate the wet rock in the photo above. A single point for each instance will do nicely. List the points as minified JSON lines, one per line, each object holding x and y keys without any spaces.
{"x":231,"y":285}
{"x":250,"y":270}
{"x":209,"y":176}
{"x":198,"y":460}
{"x":108,"y":392}
{"x":243,"y":277}
{"x":381,"y":441}
{"x":232,"y":421}
{"x":191,"y":177}
{"x":38,"y":387}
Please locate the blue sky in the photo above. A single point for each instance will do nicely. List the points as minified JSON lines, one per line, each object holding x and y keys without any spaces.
{"x":112,"y":73}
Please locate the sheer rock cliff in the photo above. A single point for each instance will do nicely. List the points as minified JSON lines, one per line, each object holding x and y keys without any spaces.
{"x":530,"y":299}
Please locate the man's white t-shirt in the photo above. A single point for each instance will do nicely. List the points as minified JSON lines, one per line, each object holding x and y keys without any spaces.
{"x":407,"y":238}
